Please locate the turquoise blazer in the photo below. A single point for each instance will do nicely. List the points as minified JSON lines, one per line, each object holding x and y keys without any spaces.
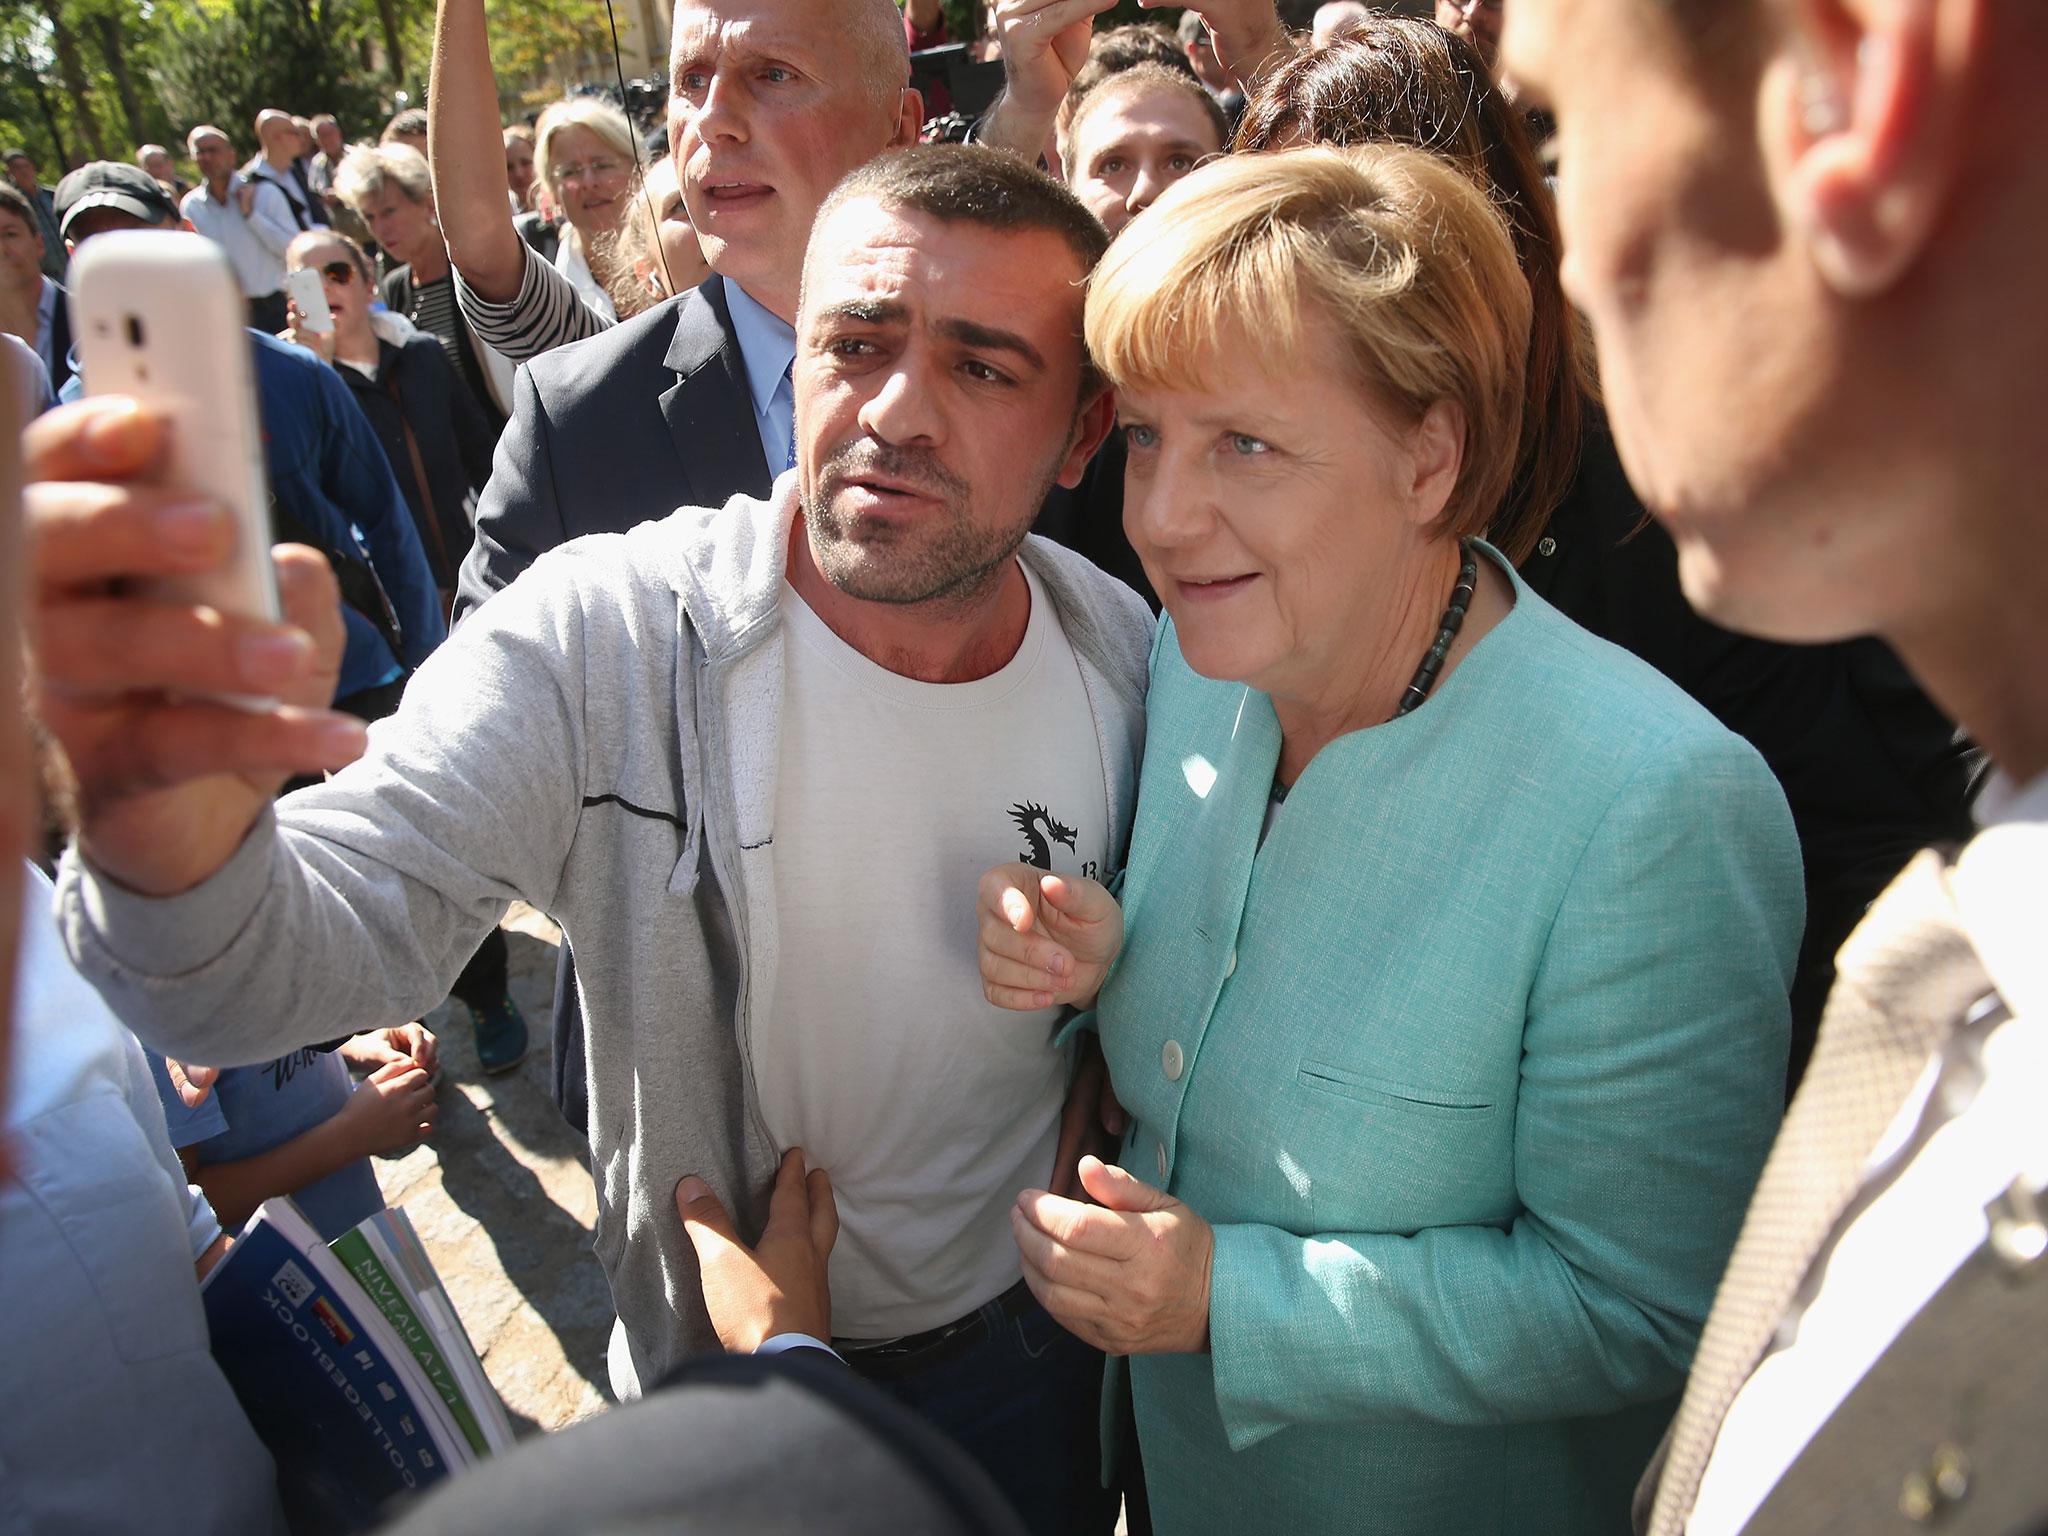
{"x":1472,"y":1065}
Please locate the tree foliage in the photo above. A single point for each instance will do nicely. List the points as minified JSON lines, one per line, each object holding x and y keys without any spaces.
{"x":223,"y":64}
{"x":83,"y":79}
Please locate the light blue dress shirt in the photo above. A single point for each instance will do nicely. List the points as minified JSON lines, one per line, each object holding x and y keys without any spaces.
{"x":768,"y":348}
{"x":113,"y":1414}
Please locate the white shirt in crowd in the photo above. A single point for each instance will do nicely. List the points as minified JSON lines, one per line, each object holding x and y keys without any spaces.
{"x":113,"y":1414}
{"x":880,"y":1056}
{"x":1972,"y":1124}
{"x":574,"y":265}
{"x":254,"y":244}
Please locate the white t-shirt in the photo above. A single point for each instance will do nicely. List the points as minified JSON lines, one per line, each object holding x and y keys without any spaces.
{"x":880,"y":1056}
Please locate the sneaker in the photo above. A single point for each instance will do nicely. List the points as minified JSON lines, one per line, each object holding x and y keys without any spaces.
{"x":500,"y":1036}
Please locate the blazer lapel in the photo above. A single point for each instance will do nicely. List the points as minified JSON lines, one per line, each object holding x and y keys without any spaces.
{"x":709,"y":408}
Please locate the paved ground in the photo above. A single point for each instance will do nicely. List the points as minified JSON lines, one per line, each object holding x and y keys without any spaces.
{"x":503,"y":1200}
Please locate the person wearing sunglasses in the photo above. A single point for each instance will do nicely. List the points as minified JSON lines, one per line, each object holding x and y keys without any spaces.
{"x":392,"y":191}
{"x":434,"y":433}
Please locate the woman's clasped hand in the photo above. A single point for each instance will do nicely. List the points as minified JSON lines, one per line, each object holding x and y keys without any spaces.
{"x":1129,"y":1273}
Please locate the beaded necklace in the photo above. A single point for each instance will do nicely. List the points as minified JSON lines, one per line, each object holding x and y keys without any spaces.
{"x":1446,"y":633}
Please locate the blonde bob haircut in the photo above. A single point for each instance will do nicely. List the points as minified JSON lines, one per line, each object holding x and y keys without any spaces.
{"x":593,"y":112}
{"x":1390,"y":252}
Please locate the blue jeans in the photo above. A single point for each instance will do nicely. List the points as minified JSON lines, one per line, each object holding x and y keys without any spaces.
{"x":1024,"y":1400}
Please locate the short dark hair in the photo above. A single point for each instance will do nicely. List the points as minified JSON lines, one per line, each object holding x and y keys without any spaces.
{"x":1126,"y":47}
{"x":972,"y":184}
{"x":1158,"y":78}
{"x":12,"y":201}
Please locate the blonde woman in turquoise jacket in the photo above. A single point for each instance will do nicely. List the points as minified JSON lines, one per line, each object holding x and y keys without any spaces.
{"x":1445,"y":987}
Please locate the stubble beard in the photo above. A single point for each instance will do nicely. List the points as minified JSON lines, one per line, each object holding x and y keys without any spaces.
{"x":954,"y":561}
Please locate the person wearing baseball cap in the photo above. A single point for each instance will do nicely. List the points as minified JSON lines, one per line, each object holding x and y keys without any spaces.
{"x":110,"y":185}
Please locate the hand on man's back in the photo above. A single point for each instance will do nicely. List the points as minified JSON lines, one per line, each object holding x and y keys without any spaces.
{"x":779,"y":1286}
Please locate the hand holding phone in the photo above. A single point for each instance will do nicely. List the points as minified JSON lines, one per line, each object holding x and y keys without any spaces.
{"x":156,"y":593}
{"x":308,"y":295}
{"x":160,"y":318}
{"x":169,"y":777}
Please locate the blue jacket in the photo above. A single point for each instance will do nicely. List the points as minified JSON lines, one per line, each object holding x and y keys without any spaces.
{"x":329,"y":474}
{"x":1471,"y":1065}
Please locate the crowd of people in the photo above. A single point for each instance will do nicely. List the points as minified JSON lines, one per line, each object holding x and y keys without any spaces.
{"x":1309,"y":793}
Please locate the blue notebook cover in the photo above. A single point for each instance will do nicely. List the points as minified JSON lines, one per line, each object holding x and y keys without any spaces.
{"x":290,"y":1333}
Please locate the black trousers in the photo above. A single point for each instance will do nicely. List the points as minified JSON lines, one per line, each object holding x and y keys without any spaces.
{"x":484,"y":981}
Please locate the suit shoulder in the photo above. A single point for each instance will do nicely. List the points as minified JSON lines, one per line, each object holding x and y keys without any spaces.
{"x":1602,"y":686}
{"x":628,"y":350}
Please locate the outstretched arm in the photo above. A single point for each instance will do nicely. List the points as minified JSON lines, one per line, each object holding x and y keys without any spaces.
{"x":1045,"y":43}
{"x":365,"y":903}
{"x":392,"y":1111}
{"x":467,"y":155}
{"x":168,"y":785}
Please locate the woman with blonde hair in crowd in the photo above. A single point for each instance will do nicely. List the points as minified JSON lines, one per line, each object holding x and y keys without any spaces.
{"x":590,"y":161}
{"x":1445,"y":985}
{"x":525,"y":305}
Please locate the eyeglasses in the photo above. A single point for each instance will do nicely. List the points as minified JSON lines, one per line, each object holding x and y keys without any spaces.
{"x":597,"y":170}
{"x":339,"y":273}
{"x":1468,"y":8}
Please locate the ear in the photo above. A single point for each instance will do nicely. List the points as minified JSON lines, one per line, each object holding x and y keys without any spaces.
{"x":1875,"y":128}
{"x":909,"y":120}
{"x":1438,"y":444}
{"x":1091,"y":426}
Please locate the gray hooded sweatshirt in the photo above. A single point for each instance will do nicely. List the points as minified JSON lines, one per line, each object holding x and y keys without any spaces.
{"x":601,"y":740}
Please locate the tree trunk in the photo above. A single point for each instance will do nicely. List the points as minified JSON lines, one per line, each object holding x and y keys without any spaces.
{"x":107,"y":31}
{"x":73,"y":70}
{"x":394,"y":54}
{"x":51,"y":121}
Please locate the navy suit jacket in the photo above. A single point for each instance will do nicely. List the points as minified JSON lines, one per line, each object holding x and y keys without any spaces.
{"x":613,"y":431}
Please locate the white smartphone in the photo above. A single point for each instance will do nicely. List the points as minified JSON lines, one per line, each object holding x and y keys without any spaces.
{"x":309,"y":296}
{"x":159,"y":315}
